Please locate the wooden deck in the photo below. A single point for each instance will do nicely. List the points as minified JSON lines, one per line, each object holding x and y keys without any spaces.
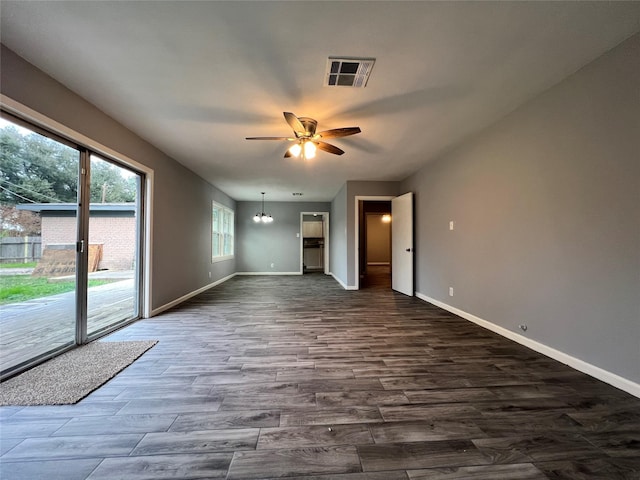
{"x":33,"y":328}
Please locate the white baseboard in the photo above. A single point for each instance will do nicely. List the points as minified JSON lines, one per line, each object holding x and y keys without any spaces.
{"x":343,"y":285}
{"x":183,"y":298}
{"x":596,"y":372}
{"x":268,"y":273}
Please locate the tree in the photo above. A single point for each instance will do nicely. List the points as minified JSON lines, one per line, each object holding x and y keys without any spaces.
{"x":37,"y":169}
{"x":18,"y":223}
{"x":109,"y":186}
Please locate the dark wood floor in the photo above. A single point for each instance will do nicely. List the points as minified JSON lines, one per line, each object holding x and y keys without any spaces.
{"x":376,"y":276}
{"x":269,"y":377}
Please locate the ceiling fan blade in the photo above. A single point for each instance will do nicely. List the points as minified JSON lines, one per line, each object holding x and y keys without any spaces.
{"x":340,"y":132}
{"x":294,"y":123}
{"x":327,"y":147}
{"x":269,"y":138}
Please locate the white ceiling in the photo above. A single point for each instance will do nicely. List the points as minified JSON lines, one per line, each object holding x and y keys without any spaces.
{"x":196,"y":78}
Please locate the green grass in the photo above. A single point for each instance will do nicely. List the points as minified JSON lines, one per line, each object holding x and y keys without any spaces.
{"x":18,"y":265}
{"x":19,"y":288}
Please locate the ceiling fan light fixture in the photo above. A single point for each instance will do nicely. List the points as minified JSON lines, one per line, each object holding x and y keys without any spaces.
{"x":307,"y":141}
{"x":295,"y":149}
{"x":309,"y":150}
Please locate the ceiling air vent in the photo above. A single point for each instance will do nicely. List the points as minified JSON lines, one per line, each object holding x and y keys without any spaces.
{"x":348,"y":71}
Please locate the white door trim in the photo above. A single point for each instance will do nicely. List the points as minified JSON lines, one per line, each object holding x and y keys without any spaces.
{"x":356,"y":221}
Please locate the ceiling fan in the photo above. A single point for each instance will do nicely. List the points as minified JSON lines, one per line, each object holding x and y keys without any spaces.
{"x":306,"y":138}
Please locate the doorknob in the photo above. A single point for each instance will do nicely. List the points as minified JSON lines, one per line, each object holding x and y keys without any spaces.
{"x":408,"y":250}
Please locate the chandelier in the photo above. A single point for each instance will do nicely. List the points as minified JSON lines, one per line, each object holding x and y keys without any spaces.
{"x":262,"y":217}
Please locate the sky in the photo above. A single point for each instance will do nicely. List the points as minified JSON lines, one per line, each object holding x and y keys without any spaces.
{"x":6,"y":123}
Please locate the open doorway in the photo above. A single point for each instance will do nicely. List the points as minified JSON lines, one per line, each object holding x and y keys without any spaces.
{"x":314,"y":240}
{"x":402,"y":251}
{"x":375,"y":244}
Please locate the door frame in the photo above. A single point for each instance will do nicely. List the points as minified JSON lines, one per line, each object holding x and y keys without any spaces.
{"x":356,"y":244}
{"x":86,"y":145}
{"x":325,"y":230}
{"x":40,"y":120}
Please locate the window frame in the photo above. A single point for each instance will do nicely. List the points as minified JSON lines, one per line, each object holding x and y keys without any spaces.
{"x":222,"y":230}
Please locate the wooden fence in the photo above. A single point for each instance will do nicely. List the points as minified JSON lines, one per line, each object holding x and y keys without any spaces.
{"x":20,"y":249}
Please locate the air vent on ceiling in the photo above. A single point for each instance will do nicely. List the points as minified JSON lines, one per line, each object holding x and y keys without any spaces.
{"x":348,"y":71}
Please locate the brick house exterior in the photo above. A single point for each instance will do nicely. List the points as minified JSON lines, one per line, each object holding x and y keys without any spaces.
{"x":113,"y":225}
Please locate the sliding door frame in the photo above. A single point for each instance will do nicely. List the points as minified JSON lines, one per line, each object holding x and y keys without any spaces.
{"x":46,"y":126}
{"x":82,"y":248}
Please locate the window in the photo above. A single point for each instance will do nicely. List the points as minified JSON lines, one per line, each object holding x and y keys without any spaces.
{"x":222,"y":230}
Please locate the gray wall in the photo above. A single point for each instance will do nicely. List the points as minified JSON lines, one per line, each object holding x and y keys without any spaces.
{"x":182,"y":201}
{"x":546,"y":205}
{"x":259,"y":245}
{"x":338,"y":236}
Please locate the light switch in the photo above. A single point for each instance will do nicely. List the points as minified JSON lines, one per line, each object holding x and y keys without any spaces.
{"x":451,"y":225}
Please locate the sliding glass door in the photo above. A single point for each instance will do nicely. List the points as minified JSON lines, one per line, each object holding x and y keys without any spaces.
{"x":83,"y":212}
{"x":39,"y":199}
{"x":114,"y":232}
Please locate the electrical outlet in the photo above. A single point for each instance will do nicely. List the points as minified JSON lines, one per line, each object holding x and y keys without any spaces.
{"x":273,"y":265}
{"x":209,"y":274}
{"x":451,"y":291}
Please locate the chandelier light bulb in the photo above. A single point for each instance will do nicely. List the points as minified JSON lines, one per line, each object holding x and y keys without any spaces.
{"x":262,"y":217}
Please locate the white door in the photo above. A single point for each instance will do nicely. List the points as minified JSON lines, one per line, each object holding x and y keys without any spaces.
{"x":402,"y":244}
